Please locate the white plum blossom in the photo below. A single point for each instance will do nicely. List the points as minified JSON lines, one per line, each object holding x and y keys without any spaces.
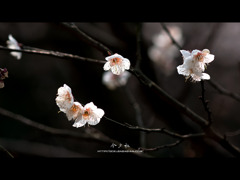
{"x":112,"y":81}
{"x":13,"y":44}
{"x":90,"y":114}
{"x":64,"y":99}
{"x":195,"y":63}
{"x":117,"y":64}
{"x":75,"y":111}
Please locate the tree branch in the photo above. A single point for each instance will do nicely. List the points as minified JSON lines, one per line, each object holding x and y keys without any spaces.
{"x":162,"y":146}
{"x":89,"y":134}
{"x":223,"y":91}
{"x":52,"y":53}
{"x":94,"y":42}
{"x":205,"y":103}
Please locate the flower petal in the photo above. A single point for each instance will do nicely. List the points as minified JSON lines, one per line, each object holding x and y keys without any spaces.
{"x":126,"y":63}
{"x":79,"y":123}
{"x":185,"y":54}
{"x":209,"y":58}
{"x":205,"y":76}
{"x":107,"y":66}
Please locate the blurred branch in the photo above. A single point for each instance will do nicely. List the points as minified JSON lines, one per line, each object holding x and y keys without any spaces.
{"x":138,"y":115}
{"x":94,"y":42}
{"x":6,"y":151}
{"x":39,"y":149}
{"x":205,"y":103}
{"x":138,"y":53}
{"x":230,"y":134}
{"x":223,"y":91}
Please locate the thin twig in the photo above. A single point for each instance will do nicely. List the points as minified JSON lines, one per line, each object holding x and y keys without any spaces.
{"x":162,"y":147}
{"x":156,"y":130}
{"x":52,"y":53}
{"x":171,"y":37}
{"x":95,"y":43}
{"x":223,"y":91}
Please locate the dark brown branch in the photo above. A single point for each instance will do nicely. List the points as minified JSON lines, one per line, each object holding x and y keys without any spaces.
{"x":94,"y":42}
{"x":156,"y":130}
{"x":205,"y":103}
{"x":169,"y":34}
{"x":223,"y":91}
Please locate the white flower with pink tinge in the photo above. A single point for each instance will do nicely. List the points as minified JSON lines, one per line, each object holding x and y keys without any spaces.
{"x":13,"y":44}
{"x":64,"y":98}
{"x":194,"y":64}
{"x":90,"y":114}
{"x":117,"y":64}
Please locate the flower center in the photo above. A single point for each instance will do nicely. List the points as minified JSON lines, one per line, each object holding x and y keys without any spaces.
{"x":74,"y":108}
{"x":86,"y":113}
{"x":68,"y":97}
{"x":115,"y":61}
{"x":200,"y":56}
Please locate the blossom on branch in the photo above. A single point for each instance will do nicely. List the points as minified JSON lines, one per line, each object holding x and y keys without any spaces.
{"x":112,"y":81}
{"x":13,"y":44}
{"x":3,"y":75}
{"x":64,"y":98}
{"x":90,"y":114}
{"x":194,"y":64}
{"x":75,"y":111}
{"x":117,"y":64}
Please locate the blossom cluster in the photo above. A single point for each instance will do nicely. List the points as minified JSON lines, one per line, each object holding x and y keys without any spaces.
{"x":75,"y":111}
{"x":194,"y":64}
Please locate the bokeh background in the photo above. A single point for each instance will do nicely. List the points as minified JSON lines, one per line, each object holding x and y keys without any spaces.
{"x":33,"y":81}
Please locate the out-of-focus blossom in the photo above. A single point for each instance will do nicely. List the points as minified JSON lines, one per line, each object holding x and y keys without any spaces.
{"x":13,"y":44}
{"x":117,"y":64}
{"x":90,"y":114}
{"x":112,"y":81}
{"x":163,"y":52}
{"x":64,"y":98}
{"x":194,"y":64}
{"x":3,"y":75}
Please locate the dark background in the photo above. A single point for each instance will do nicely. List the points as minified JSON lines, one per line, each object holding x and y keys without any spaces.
{"x":33,"y":81}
